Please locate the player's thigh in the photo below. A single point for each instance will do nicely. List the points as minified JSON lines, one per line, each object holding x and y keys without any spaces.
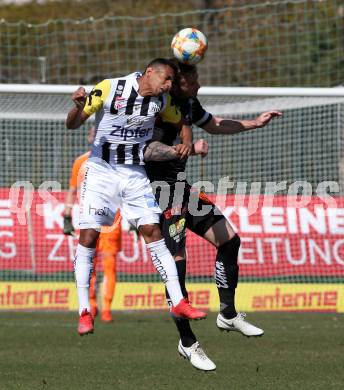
{"x":97,"y":203}
{"x":139,"y":205}
{"x":219,"y":233}
{"x":212,"y":226}
{"x":89,"y":237}
{"x":149,"y":231}
{"x":173,"y":229}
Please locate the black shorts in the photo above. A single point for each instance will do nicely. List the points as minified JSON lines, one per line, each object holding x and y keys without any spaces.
{"x":174,"y":220}
{"x":200,"y":224}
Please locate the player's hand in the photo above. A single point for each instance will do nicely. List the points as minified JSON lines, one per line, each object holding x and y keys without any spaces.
{"x":201,"y":147}
{"x":184,"y":150}
{"x":79,"y":97}
{"x":266,"y":117}
{"x":68,"y":228}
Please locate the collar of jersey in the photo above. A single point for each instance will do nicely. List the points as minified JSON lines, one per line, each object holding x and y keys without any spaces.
{"x":180,"y":101}
{"x":135,"y":83}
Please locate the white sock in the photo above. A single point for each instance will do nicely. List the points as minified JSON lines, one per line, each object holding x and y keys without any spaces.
{"x":164,"y":263}
{"x":83,"y":267}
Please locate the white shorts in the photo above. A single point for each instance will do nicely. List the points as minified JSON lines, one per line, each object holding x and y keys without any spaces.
{"x":106,"y":189}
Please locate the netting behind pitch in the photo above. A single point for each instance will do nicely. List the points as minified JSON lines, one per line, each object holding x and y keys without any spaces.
{"x":251,"y":43}
{"x":280,"y":241}
{"x":285,"y":186}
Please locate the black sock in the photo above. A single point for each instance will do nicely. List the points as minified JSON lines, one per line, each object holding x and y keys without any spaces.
{"x":183,"y":325}
{"x":227,"y":299}
{"x":185,"y":332}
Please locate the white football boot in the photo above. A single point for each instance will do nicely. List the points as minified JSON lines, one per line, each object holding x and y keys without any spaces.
{"x":238,"y":324}
{"x":196,"y":356}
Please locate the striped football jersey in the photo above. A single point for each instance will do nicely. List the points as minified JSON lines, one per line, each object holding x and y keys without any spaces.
{"x":124,"y":119}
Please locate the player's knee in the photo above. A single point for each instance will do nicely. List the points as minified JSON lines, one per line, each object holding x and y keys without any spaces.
{"x":150,"y":233}
{"x":88,"y":238}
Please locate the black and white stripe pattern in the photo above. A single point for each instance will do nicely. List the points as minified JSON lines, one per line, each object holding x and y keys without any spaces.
{"x":123,"y":153}
{"x":126,"y":122}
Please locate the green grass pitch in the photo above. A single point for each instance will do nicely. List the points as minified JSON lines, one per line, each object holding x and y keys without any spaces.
{"x":139,"y":351}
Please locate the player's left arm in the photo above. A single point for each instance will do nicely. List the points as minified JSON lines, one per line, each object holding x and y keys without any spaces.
{"x":172,"y":115}
{"x":230,"y":126}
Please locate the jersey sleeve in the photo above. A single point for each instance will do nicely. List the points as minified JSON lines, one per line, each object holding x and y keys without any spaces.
{"x":171,"y":113}
{"x":200,"y":116}
{"x":97,"y":97}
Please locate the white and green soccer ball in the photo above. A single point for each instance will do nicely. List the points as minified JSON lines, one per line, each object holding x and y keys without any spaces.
{"x":189,"y":46}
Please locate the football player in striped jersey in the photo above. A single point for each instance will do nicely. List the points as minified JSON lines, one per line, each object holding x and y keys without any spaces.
{"x":126,"y":109}
{"x":108,"y":245}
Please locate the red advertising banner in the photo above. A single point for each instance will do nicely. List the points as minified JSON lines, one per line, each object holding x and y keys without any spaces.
{"x":279,"y":236}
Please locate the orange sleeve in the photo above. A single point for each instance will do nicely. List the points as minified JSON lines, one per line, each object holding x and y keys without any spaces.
{"x":73,"y":181}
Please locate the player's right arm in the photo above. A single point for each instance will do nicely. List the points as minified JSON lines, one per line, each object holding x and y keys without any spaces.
{"x":85,"y":105}
{"x":76,"y":116}
{"x":173,"y":116}
{"x":158,"y":151}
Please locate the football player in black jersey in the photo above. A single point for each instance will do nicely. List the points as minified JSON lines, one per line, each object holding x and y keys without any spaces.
{"x":126,"y":108}
{"x":213,"y":226}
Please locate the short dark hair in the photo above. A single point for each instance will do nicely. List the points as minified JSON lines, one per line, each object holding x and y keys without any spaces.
{"x":163,"y":62}
{"x":184,"y":68}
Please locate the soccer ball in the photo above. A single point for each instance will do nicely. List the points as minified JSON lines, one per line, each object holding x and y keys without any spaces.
{"x":189,"y":46}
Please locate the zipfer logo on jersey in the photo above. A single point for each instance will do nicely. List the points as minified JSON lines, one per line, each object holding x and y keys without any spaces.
{"x":126,"y":134}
